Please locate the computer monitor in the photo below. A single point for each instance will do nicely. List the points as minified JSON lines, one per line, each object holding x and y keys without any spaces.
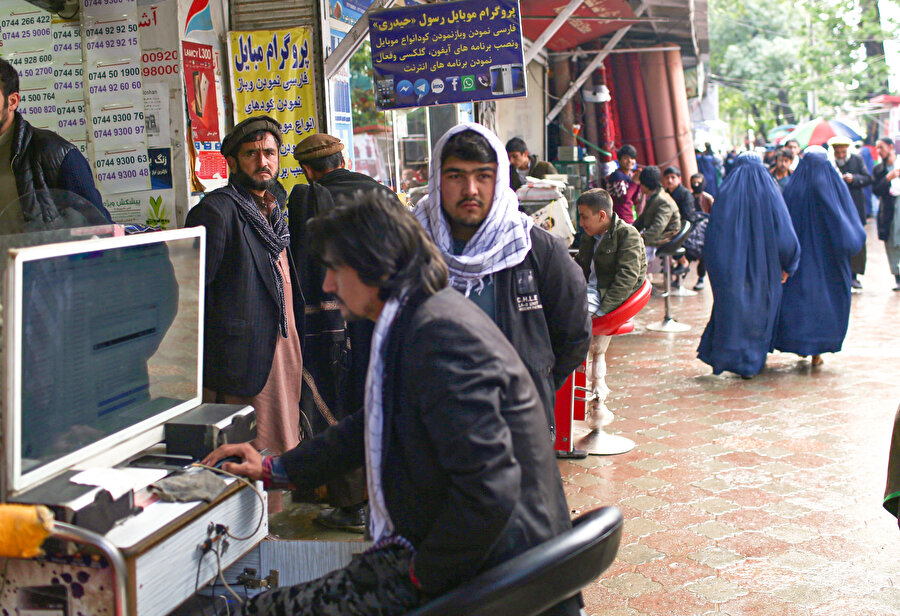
{"x":103,"y":344}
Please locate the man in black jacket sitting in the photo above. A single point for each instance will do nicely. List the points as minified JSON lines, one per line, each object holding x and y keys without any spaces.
{"x":460,"y":473}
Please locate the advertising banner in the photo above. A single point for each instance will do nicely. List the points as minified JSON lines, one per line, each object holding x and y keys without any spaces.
{"x":271,"y":74}
{"x":446,"y":53}
{"x":200,"y":90}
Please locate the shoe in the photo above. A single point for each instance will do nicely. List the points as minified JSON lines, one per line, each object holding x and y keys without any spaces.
{"x":700,"y":285}
{"x":350,"y":519}
{"x":680,"y":269}
{"x":855,"y":284}
{"x":817,"y":360}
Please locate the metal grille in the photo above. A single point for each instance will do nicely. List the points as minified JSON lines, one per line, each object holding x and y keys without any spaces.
{"x":272,"y":14}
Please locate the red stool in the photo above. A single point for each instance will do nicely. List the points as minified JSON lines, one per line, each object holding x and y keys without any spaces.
{"x":589,"y":410}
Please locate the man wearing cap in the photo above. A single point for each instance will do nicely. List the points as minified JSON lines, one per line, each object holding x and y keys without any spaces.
{"x":254,"y":305}
{"x":853,"y":171}
{"x":336,"y":352}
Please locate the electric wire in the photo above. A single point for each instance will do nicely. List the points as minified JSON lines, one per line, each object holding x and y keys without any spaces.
{"x":259,"y":494}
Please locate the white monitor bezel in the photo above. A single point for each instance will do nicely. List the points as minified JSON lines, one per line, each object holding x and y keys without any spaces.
{"x":122,"y":444}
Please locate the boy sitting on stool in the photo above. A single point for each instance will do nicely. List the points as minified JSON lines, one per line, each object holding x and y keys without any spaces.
{"x":612,"y":255}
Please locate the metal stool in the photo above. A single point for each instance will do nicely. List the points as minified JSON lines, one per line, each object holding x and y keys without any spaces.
{"x":669,"y":251}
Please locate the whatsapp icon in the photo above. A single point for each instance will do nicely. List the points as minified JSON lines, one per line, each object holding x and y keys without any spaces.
{"x":468,"y":83}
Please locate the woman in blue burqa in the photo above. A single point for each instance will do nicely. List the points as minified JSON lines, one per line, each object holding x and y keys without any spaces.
{"x":815,"y":308}
{"x":750,"y":250}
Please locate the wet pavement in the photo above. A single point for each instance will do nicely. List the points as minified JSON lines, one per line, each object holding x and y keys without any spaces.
{"x":758,"y":497}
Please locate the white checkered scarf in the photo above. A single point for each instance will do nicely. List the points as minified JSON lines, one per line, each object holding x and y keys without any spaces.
{"x":504,"y":238}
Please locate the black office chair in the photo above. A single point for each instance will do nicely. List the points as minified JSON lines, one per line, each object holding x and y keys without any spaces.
{"x":669,"y":251}
{"x":538,"y":579}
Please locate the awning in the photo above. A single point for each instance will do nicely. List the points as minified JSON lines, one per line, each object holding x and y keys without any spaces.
{"x":593,"y":19}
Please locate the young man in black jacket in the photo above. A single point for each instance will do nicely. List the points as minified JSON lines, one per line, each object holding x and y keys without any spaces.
{"x":520,"y":275}
{"x":460,"y":473}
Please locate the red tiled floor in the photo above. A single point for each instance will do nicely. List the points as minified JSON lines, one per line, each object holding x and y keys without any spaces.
{"x":759,"y":497}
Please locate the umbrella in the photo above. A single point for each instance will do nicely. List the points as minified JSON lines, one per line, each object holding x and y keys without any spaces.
{"x":819,"y":131}
{"x":777,"y":134}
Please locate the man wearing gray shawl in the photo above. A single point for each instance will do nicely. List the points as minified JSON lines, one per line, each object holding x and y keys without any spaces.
{"x":519,"y":274}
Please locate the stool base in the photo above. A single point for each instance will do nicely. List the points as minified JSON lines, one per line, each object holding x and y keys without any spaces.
{"x":598,"y":442}
{"x":682,"y":292}
{"x":669,"y":326}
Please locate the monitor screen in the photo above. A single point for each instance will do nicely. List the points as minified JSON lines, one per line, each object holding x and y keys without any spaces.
{"x":106,"y":344}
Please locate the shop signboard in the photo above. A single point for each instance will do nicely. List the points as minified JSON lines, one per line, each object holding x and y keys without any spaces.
{"x":271,"y":74}
{"x":443,"y":53}
{"x":348,"y":11}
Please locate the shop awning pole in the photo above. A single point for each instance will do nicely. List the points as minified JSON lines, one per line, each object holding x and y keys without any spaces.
{"x":576,"y":85}
{"x":350,"y":43}
{"x":540,"y":42}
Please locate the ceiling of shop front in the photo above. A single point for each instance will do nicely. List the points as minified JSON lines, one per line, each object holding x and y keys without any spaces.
{"x":663,"y":21}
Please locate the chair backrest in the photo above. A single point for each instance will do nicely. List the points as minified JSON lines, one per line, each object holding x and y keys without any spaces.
{"x":541,"y":577}
{"x":675,"y":243}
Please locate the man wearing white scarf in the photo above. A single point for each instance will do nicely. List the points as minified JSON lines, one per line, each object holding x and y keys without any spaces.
{"x":519,"y":274}
{"x":453,"y":437}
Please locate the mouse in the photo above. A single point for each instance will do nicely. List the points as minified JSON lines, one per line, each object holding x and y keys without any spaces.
{"x":235,"y":459}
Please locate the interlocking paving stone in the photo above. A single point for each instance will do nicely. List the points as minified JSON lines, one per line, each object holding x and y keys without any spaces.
{"x":798,"y":560}
{"x":716,"y":505}
{"x":641,"y":527}
{"x":638,"y":554}
{"x":805,"y":594}
{"x":713,"y":529}
{"x":792,"y":533}
{"x":716,"y":557}
{"x":645,"y":502}
{"x":715,"y":589}
{"x":631,"y":584}
{"x":648,"y":483}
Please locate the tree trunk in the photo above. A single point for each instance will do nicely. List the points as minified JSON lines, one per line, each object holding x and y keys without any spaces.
{"x":785,"y":107}
{"x":875,"y":48}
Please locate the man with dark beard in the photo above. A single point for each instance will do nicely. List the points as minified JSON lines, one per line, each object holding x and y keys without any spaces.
{"x":254,"y":305}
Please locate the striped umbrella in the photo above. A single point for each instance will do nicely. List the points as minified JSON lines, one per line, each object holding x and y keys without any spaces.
{"x":819,"y":131}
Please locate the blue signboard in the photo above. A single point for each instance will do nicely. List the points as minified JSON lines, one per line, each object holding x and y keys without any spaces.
{"x":447,"y":53}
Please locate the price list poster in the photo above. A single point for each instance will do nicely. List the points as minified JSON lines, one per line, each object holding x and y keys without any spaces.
{"x":114,"y":86}
{"x":271,"y":74}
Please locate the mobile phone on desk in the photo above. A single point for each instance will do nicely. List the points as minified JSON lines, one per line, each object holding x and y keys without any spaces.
{"x":170,"y":462}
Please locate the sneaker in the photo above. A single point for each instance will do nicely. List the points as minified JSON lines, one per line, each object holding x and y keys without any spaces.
{"x":350,"y":519}
{"x":700,"y":285}
{"x":855,"y":284}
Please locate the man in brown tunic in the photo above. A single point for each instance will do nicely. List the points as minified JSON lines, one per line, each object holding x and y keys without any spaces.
{"x":254,"y":306}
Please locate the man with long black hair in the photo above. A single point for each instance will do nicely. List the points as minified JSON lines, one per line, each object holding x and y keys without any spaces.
{"x":460,"y":473}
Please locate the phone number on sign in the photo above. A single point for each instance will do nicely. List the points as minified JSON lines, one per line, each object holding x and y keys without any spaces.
{"x":160,"y":63}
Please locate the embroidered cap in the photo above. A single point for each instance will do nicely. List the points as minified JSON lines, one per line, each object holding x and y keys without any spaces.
{"x":317,"y":146}
{"x":248,"y":127}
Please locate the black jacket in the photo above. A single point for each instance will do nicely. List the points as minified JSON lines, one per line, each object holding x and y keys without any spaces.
{"x":336,"y":353}
{"x":881,"y":188}
{"x":552,"y":331}
{"x":855,"y":165}
{"x":242,"y":305}
{"x":469,"y":476}
{"x":684,"y":199}
{"x":38,"y":158}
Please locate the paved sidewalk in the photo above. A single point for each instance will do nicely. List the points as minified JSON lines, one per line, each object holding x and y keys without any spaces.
{"x":759,"y":497}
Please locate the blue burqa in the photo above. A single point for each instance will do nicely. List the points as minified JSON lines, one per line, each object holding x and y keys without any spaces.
{"x":706,"y":164}
{"x":749,"y":242}
{"x":815,"y":308}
